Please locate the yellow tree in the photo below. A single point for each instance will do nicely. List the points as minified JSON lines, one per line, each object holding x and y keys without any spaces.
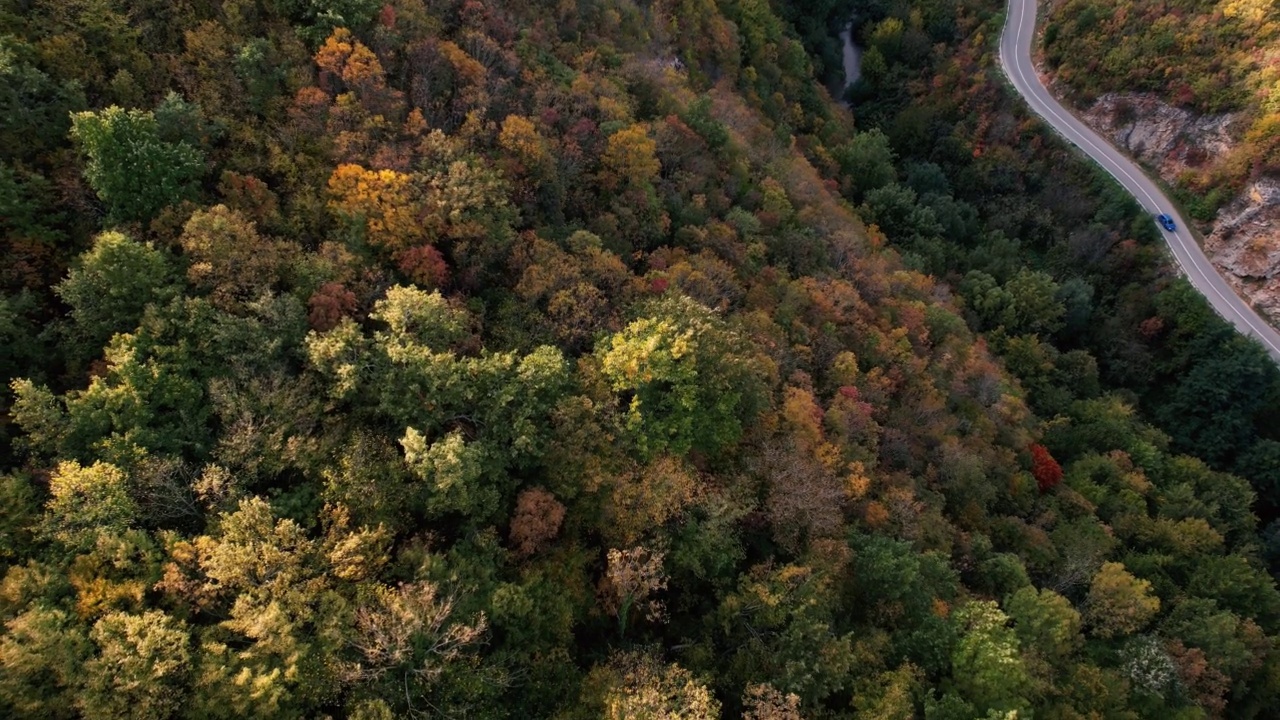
{"x":412,"y":629}
{"x":630,"y":158}
{"x":633,"y":580}
{"x":640,"y":685}
{"x":42,"y":658}
{"x":85,"y":501}
{"x":383,"y":204}
{"x":344,"y":58}
{"x":528,"y":160}
{"x":765,"y":702}
{"x":521,"y":138}
{"x":230,"y":259}
{"x":647,"y":497}
{"x":1119,"y":603}
{"x":140,"y":669}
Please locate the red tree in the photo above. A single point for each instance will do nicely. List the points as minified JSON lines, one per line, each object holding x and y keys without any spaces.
{"x":424,"y":265}
{"x":328,"y":305}
{"x":1047,"y":471}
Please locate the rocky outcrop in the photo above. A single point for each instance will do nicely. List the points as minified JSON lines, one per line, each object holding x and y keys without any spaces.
{"x":1169,"y":139}
{"x":1245,"y":242}
{"x":1244,"y":239}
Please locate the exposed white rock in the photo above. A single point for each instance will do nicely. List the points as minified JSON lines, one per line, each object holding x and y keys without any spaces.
{"x":1245,"y":242}
{"x":1169,"y":139}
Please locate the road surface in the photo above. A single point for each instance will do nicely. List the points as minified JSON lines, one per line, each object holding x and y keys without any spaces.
{"x":1015,"y":60}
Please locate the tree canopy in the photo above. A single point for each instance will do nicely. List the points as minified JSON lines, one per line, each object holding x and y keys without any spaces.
{"x":581,"y":360}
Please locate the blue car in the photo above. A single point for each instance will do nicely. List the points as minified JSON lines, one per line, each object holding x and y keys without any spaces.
{"x":1167,"y":222}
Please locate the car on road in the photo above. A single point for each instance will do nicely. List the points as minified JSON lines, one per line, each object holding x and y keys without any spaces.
{"x":1166,"y":222}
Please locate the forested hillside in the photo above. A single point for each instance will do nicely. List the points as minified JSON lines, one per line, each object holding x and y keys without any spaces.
{"x":1206,"y":55}
{"x":583,"y":359}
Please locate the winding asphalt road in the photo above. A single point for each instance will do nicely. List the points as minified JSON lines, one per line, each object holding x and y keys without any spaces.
{"x":1015,"y":60}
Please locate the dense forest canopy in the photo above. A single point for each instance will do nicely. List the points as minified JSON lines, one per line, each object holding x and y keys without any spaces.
{"x":584,"y":359}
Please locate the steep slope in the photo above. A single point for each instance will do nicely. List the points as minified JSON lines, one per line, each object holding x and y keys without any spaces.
{"x":1016,"y":42}
{"x":1192,"y":89}
{"x":1243,"y":236}
{"x":578,"y":360}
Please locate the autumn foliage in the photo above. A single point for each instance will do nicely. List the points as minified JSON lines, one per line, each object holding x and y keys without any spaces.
{"x":328,"y":305}
{"x":584,"y":360}
{"x":1046,"y":470}
{"x":536,"y":522}
{"x":424,"y":265}
{"x":381,"y":203}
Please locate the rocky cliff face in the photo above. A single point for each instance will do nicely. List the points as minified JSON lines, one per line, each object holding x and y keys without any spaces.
{"x":1244,"y":239}
{"x":1245,"y":243}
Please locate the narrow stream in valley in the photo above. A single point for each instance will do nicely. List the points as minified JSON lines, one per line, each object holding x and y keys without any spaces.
{"x":852,"y":55}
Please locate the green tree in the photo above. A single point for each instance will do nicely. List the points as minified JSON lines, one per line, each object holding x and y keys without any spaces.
{"x":1237,"y":585}
{"x":782,"y":627}
{"x":867,"y":163}
{"x":1026,"y":304}
{"x":19,"y":345}
{"x":178,"y":121}
{"x":1033,"y":305}
{"x":42,"y":656}
{"x":34,"y":107}
{"x":454,"y":470}
{"x":898,"y":585}
{"x":151,"y":395}
{"x":890,"y":695}
{"x":140,"y":669}
{"x":986,"y":665}
{"x":418,"y":320}
{"x":896,"y":210}
{"x":875,"y":70}
{"x":1260,"y":463}
{"x":322,"y":17}
{"x":111,"y":285}
{"x":1227,"y":640}
{"x":132,"y":169}
{"x":259,"y":70}
{"x":1212,"y":409}
{"x":22,"y":512}
{"x":85,"y":501}
{"x":28,"y":206}
{"x":1045,"y":622}
{"x":692,"y":381}
{"x":469,"y":420}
